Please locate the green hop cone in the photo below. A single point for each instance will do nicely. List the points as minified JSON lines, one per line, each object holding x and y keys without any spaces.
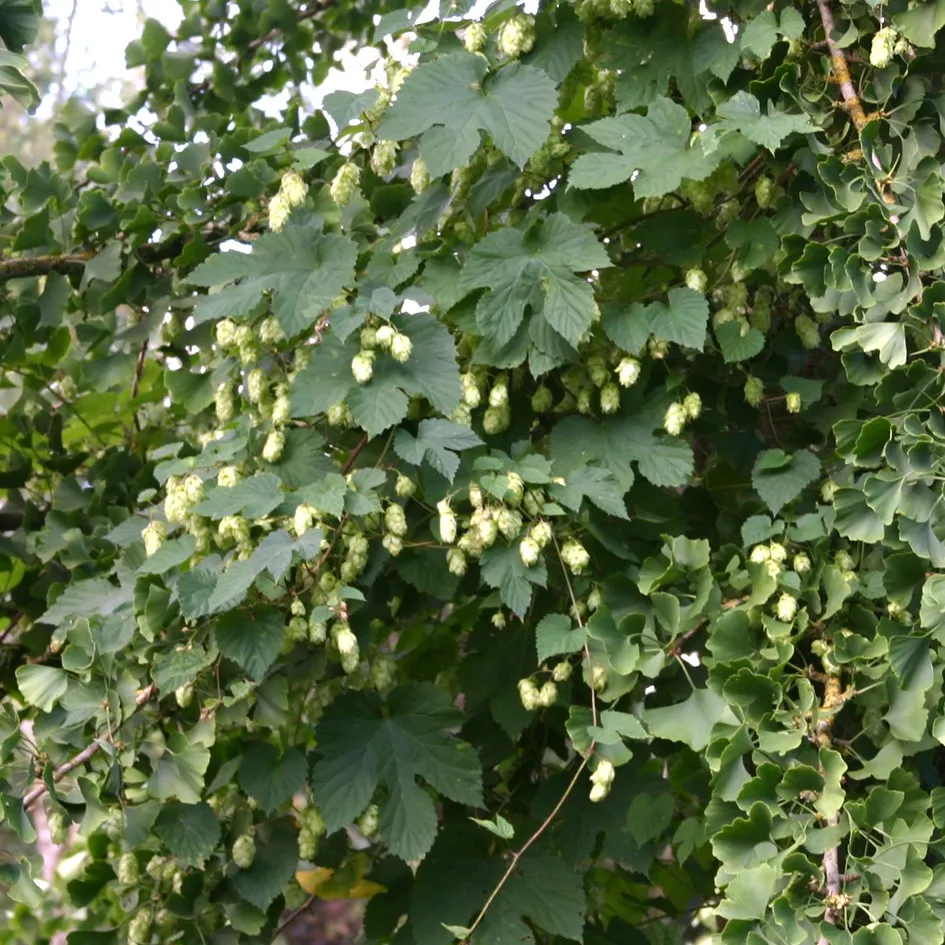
{"x":405,"y":486}
{"x":542,"y":399}
{"x":244,"y":851}
{"x":395,"y":521}
{"x":139,"y":929}
{"x":529,"y":694}
{"x":292,"y":188}
{"x":317,"y":631}
{"x":562,"y":672}
{"x":517,"y":36}
{"x":368,"y":822}
{"x":692,"y":404}
{"x":474,"y":37}
{"x":362,"y":366}
{"x":456,"y":561}
{"x":154,"y":534}
{"x":529,"y":551}
{"x":883,"y":47}
{"x":401,"y":348}
{"x":272,"y":449}
{"x":609,"y":399}
{"x":575,"y":556}
{"x":496,"y":420}
{"x":384,"y":158}
{"x":419,"y":176}
{"x":127,"y":870}
{"x":223,"y":403}
{"x":279,"y":211}
{"x":754,"y":391}
{"x":764,"y":192}
{"x":58,"y":827}
{"x":345,"y":183}
{"x":807,"y":331}
{"x":675,"y":419}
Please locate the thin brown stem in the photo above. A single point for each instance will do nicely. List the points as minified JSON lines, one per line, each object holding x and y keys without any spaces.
{"x":11,"y":626}
{"x":832,"y":702}
{"x":23,"y":267}
{"x":841,"y":69}
{"x":353,"y":455}
{"x":580,"y":623}
{"x":528,"y":843}
{"x":87,"y":753}
{"x":293,"y":916}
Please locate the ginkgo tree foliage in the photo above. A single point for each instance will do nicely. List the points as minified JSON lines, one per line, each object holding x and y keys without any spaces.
{"x":511,"y":495}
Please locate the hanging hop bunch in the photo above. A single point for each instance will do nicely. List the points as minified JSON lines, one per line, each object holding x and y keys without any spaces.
{"x":531,"y":546}
{"x":235,"y":528}
{"x":127,"y":871}
{"x":601,"y":780}
{"x":154,"y":534}
{"x":304,"y":518}
{"x":754,"y":391}
{"x":273,"y":447}
{"x":223,"y":403}
{"x":346,"y":643}
{"x":345,"y":183}
{"x":786,"y":608}
{"x":679,"y":414}
{"x":474,"y":38}
{"x":498,"y":414}
{"x":384,"y":158}
{"x":281,"y":407}
{"x":291,"y":194}
{"x":447,"y":521}
{"x":369,"y":821}
{"x":419,"y":176}
{"x":628,"y":372}
{"x":517,"y":36}
{"x":883,"y":47}
{"x":362,"y":366}
{"x":395,"y":342}
{"x":772,"y":556}
{"x":182,"y":496}
{"x":313,"y":829}
{"x":575,"y":556}
{"x":533,"y":697}
{"x":139,"y":929}
{"x":270,"y":331}
{"x":256,"y":387}
{"x":356,"y":557}
{"x":395,"y":526}
{"x":696,"y":279}
{"x":244,"y":849}
{"x":246,"y":344}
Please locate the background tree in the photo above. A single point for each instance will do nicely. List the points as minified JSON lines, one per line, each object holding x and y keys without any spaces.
{"x":510,"y":495}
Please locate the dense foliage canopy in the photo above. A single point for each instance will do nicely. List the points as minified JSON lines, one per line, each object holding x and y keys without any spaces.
{"x":511,"y":495}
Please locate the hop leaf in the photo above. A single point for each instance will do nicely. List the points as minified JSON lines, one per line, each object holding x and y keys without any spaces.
{"x":363,"y":746}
